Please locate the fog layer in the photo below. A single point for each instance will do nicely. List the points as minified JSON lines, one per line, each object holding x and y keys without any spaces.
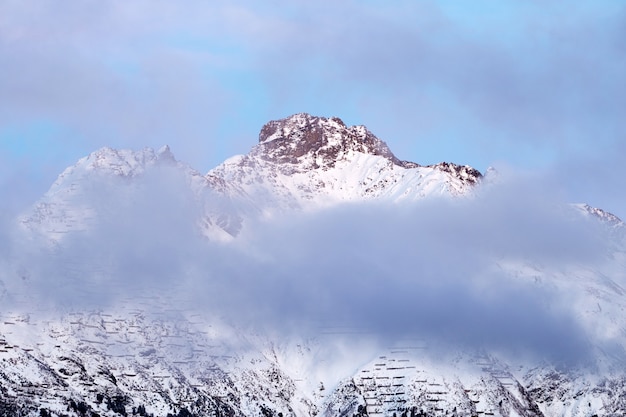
{"x":447,"y":271}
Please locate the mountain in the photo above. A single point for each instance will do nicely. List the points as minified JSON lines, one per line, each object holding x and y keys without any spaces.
{"x":311,"y":162}
{"x":138,"y":286}
{"x":302,"y":162}
{"x":90,"y":192}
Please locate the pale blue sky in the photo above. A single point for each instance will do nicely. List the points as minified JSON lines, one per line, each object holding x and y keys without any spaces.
{"x":533,"y":86}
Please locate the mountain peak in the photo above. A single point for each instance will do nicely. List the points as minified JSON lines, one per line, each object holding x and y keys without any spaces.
{"x":317,"y":141}
{"x":303,"y":142}
{"x":165,"y":154}
{"x":278,"y":129}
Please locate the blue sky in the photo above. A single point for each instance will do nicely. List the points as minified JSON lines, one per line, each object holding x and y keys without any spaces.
{"x":528,"y":86}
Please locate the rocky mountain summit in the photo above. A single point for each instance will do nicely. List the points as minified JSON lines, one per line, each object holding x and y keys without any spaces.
{"x":307,"y":162}
{"x":307,"y":143}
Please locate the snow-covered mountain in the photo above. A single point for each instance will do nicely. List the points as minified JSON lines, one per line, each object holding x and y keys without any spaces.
{"x":302,"y":162}
{"x":307,"y":161}
{"x":143,"y":347}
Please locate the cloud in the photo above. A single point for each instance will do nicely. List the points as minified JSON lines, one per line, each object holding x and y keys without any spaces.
{"x":425,"y":271}
{"x":108,"y":78}
{"x":594,"y":177}
{"x":438,"y":270}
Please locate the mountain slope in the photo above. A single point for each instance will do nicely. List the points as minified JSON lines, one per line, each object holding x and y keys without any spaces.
{"x":131,"y":311}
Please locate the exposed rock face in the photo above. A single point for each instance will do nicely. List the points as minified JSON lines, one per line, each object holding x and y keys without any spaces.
{"x":312,"y":142}
{"x":324,"y":141}
{"x":464,"y":173}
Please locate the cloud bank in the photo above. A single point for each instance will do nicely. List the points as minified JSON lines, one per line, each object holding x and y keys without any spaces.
{"x":431,"y":270}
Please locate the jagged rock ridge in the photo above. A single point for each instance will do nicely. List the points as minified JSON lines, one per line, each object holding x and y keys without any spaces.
{"x":328,"y":140}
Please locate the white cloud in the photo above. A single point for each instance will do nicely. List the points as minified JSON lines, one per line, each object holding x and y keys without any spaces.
{"x":426,"y":269}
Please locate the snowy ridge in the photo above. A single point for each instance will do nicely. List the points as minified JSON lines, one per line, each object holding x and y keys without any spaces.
{"x":90,"y":191}
{"x":608,"y":218}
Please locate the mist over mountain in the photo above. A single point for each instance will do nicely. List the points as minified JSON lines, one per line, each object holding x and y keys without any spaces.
{"x":319,"y":257}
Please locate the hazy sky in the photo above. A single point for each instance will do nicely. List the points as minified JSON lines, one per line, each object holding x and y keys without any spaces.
{"x":523,"y":84}
{"x":535,"y":88}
